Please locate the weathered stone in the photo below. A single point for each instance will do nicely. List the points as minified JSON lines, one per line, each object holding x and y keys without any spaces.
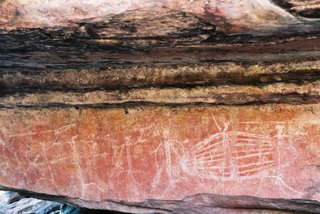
{"x":307,"y":8}
{"x":8,"y":197}
{"x":12,"y":203}
{"x":162,"y":153}
{"x":254,"y":15}
{"x":162,"y":106}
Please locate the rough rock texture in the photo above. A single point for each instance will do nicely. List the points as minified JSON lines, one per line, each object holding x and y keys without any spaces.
{"x":305,"y":8}
{"x":226,"y":15}
{"x":179,"y":106}
{"x":30,"y":205}
{"x":162,"y":153}
{"x":13,"y":203}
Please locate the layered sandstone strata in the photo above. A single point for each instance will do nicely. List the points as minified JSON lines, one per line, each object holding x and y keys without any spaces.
{"x":159,"y":107}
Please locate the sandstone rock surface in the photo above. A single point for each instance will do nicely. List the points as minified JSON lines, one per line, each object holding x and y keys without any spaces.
{"x":162,"y":153}
{"x":162,"y":106}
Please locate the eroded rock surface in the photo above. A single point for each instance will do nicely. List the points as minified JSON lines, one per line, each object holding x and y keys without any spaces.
{"x":97,"y":156}
{"x":13,"y":203}
{"x":229,"y":16}
{"x":161,"y":106}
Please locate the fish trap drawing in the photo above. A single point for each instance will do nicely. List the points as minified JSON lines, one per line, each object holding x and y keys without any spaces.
{"x":230,"y":155}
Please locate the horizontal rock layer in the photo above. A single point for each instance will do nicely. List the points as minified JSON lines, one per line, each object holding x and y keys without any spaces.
{"x":306,"y":8}
{"x":229,"y":16}
{"x":210,"y":95}
{"x":162,"y":153}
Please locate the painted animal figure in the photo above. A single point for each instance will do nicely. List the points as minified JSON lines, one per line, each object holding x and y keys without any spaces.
{"x":230,"y":16}
{"x":239,"y":156}
{"x":230,"y":156}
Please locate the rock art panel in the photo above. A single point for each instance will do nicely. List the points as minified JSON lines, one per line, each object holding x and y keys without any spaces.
{"x":163,"y":153}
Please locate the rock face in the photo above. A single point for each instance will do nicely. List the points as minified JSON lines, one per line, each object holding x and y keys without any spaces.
{"x":241,"y":13}
{"x":161,"y":106}
{"x":28,"y":205}
{"x":162,"y":153}
{"x":12,"y":203}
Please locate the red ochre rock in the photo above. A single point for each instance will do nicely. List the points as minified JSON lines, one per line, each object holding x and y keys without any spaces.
{"x":99,"y":157}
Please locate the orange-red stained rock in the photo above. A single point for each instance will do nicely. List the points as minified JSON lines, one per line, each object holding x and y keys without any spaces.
{"x":163,"y":153}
